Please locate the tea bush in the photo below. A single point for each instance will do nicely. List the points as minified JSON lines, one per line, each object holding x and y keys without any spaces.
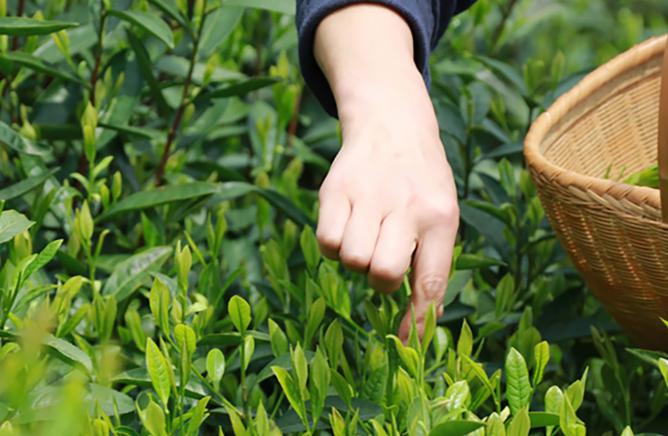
{"x":159,"y":166}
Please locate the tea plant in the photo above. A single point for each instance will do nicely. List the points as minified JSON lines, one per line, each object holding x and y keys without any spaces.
{"x":159,"y":274}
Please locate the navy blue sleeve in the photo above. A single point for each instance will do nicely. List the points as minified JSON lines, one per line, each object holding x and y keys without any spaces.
{"x":427,"y":19}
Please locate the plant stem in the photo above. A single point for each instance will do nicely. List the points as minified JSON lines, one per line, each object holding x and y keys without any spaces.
{"x":502,"y":25}
{"x":98,"y":53}
{"x":184,"y":100}
{"x":19,"y":12}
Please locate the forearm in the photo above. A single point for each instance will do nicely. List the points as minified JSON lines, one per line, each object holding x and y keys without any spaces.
{"x":366,"y":53}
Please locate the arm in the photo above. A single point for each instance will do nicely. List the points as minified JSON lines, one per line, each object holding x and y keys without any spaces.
{"x":389,"y":200}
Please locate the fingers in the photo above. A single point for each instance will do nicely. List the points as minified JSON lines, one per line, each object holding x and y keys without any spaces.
{"x":429,"y":278}
{"x":333,"y":216}
{"x":359,"y":238}
{"x":393,"y":253}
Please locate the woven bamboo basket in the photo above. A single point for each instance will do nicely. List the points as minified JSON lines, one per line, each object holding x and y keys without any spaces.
{"x":614,"y":233}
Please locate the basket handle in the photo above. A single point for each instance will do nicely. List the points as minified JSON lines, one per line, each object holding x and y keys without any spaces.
{"x":663,"y":138}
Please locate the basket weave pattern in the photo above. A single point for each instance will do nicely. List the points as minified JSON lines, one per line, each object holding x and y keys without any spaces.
{"x":611,"y":231}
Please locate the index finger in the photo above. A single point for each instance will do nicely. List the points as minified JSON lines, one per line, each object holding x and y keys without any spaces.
{"x":429,"y":277}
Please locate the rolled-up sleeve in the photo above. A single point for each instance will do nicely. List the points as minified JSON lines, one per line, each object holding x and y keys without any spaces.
{"x":427,"y":19}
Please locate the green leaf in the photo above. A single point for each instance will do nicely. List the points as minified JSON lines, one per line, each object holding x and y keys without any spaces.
{"x":465,"y":342}
{"x":170,"y":10}
{"x":215,"y":366}
{"x":518,"y":389}
{"x":341,"y":386}
{"x":146,"y":67}
{"x":26,"y":185}
{"x":475,"y":261}
{"x":279,"y":342}
{"x":495,"y":426}
{"x":456,"y":428}
{"x":627,"y":431}
{"x":543,"y":419}
{"x":156,"y":365}
{"x":185,"y":333}
{"x":290,"y":388}
{"x":162,"y":195}
{"x":68,"y":353}
{"x":314,"y":319}
{"x":663,"y":366}
{"x":542,"y":358}
{"x":240,"y":313}
{"x":148,"y":21}
{"x":14,"y":140}
{"x":12,"y":223}
{"x":153,"y":419}
{"x":197,"y":417}
{"x":130,"y":274}
{"x":408,"y":355}
{"x":520,"y":425}
{"x":159,"y":303}
{"x":43,"y":257}
{"x":239,"y":88}
{"x":217,"y":27}
{"x":22,"y":26}
{"x":282,"y":6}
{"x":310,"y":249}
{"x":458,"y":393}
{"x":39,"y":65}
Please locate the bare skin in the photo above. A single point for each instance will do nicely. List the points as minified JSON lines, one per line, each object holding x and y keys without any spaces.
{"x":389,"y":201}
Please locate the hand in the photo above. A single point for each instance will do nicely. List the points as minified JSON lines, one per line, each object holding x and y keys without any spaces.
{"x":389,"y":200}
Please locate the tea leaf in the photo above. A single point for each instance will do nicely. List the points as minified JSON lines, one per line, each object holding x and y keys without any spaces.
{"x":151,"y":198}
{"x":159,"y":303}
{"x":158,"y":371}
{"x":147,"y":21}
{"x":518,"y":389}
{"x":22,"y":26}
{"x":542,"y":358}
{"x":12,"y":223}
{"x":14,"y":140}
{"x":130,"y":274}
{"x":520,"y":425}
{"x":215,"y":366}
{"x":240,"y":313}
{"x":456,"y":428}
{"x":26,"y":185}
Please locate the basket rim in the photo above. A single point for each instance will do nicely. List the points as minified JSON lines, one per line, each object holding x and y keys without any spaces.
{"x":636,"y":200}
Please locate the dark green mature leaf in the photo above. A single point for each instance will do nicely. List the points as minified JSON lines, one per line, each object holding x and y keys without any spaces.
{"x":475,"y":261}
{"x":543,"y":419}
{"x":146,"y":68}
{"x":147,"y":21}
{"x":282,"y":6}
{"x":26,"y":185}
{"x":133,"y":272}
{"x":456,"y":428}
{"x":36,"y":64}
{"x":241,"y":87}
{"x":68,"y":353}
{"x":12,"y":223}
{"x":170,"y":10}
{"x":217,"y":27}
{"x":230,"y":338}
{"x":14,"y":140}
{"x":155,"y":197}
{"x":22,"y":26}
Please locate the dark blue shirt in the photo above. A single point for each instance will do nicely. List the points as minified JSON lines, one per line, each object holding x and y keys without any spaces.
{"x":427,"y":19}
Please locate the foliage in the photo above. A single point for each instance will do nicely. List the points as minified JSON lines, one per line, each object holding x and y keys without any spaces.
{"x":159,"y":165}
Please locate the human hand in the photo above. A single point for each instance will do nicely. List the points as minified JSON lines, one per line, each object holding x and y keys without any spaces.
{"x":389,"y":201}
